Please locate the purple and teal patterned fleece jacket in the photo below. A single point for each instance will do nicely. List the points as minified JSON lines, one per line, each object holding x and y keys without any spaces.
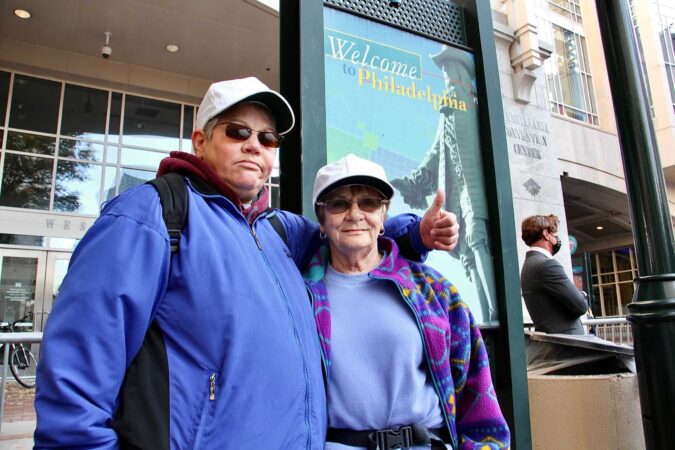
{"x":453,"y":344}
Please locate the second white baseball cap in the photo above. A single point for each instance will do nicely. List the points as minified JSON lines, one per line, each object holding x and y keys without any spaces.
{"x":350,"y":170}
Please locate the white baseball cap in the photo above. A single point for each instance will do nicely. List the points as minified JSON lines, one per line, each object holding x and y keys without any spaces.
{"x":225,"y":94}
{"x":347,"y":171}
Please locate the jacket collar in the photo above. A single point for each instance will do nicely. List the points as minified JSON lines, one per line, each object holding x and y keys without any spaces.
{"x":316,"y":268}
{"x":540,"y":250}
{"x":206,"y":181}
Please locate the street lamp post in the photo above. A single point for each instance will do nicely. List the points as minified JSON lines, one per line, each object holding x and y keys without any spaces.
{"x":652,"y":312}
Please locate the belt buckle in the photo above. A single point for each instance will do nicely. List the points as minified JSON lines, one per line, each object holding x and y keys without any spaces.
{"x":394,"y":439}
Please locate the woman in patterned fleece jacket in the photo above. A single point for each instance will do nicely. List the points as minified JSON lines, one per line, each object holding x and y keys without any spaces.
{"x":404,"y":360}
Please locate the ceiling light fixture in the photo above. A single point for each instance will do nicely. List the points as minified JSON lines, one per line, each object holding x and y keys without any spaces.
{"x":22,"y":13}
{"x":172,"y":48}
{"x":599,"y":227}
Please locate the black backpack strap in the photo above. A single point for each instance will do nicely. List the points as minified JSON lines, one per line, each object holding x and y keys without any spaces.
{"x":278,"y":226}
{"x":173,"y":197}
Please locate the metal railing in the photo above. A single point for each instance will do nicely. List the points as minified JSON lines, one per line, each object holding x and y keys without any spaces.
{"x":614,"y":329}
{"x":6,"y":339}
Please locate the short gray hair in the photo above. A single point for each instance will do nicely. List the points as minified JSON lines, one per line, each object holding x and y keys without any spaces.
{"x":208,"y":130}
{"x":209,"y":126}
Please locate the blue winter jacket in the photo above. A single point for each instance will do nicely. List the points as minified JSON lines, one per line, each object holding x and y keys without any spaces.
{"x":214,"y":349}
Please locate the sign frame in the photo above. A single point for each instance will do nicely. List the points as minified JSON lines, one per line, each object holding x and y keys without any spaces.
{"x":303,"y":84}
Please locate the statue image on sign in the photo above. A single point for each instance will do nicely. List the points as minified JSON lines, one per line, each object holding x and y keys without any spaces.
{"x":454,"y":163}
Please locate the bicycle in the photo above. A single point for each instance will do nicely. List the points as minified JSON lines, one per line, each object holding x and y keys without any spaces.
{"x":22,"y":362}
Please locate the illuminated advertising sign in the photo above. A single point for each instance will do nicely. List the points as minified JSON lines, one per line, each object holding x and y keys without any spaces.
{"x":409,"y":104}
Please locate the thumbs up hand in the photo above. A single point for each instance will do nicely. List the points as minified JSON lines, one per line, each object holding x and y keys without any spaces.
{"x":439,"y":229}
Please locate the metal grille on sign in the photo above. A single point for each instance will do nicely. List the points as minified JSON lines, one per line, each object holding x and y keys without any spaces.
{"x":441,"y":19}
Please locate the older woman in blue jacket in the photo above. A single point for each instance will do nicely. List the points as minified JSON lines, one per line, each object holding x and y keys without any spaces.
{"x":404,"y":360}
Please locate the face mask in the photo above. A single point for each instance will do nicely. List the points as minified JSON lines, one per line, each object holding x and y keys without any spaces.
{"x":558,"y":244}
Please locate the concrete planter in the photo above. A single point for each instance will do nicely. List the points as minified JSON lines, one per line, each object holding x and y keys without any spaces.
{"x":585,"y":412}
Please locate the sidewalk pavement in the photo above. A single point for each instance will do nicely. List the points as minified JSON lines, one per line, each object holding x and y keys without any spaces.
{"x":18,"y":421}
{"x":17,"y":435}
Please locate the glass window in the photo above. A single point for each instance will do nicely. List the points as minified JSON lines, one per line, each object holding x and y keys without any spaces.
{"x":142,"y":158}
{"x":596,"y":294}
{"x":623,"y":260}
{"x":188,"y":118}
{"x":275,"y":197}
{"x":615,"y":280}
{"x":18,"y":279}
{"x":566,"y":46}
{"x":625,"y":276}
{"x":111,"y":155}
{"x":88,"y":151}
{"x":609,"y":300}
{"x":273,"y":184}
{"x":35,"y":104}
{"x":4,"y":95}
{"x":71,"y":167}
{"x":77,"y":187}
{"x":626,"y":292}
{"x":109,"y":182}
{"x":605,"y":263}
{"x":30,"y":143}
{"x":567,"y":8}
{"x":151,"y":123}
{"x":65,"y":244}
{"x":115,"y":117}
{"x":84,"y":112}
{"x":22,"y":239}
{"x":568,"y":77}
{"x":26,"y":181}
{"x":641,"y":55}
{"x":133,"y":177}
{"x":668,"y":49}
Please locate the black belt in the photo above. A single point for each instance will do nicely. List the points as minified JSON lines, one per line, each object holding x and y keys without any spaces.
{"x":399,"y":438}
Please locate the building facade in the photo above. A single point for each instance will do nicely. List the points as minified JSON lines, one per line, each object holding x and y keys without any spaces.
{"x":563,"y":144}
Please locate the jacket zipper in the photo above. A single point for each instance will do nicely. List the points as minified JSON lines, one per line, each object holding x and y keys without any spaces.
{"x":212,"y":386}
{"x":205,"y":410}
{"x":255,"y":237}
{"x":305,"y":373}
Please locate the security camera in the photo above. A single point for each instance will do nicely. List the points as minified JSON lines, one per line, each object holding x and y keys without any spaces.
{"x":394,"y":3}
{"x":106,"y":50}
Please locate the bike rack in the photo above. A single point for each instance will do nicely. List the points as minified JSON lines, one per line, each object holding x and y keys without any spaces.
{"x":12,"y":338}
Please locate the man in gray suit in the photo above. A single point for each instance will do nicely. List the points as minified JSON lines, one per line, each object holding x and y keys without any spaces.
{"x":552,"y":300}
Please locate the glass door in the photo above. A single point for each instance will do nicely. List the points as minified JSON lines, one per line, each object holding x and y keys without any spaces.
{"x":29,"y":282}
{"x":57,"y":266}
{"x":21,"y":284}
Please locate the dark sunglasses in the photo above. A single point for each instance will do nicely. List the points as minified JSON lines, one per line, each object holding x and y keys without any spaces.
{"x":340,"y":205}
{"x":241,"y":132}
